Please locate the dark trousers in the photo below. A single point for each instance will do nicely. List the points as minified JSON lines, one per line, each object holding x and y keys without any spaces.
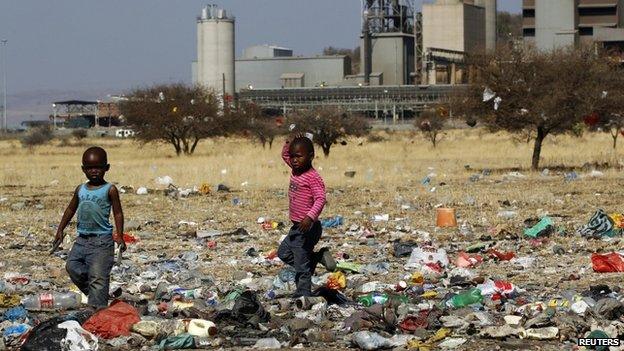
{"x":297,"y":250}
{"x":89,"y":265}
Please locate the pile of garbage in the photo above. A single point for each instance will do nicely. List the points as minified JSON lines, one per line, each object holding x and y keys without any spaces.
{"x":461,"y":286}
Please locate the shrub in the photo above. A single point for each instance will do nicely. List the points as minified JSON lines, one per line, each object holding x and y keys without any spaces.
{"x":79,"y":134}
{"x":37,"y":136}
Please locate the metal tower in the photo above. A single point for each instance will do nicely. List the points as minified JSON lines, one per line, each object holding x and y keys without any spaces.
{"x":389,"y":16}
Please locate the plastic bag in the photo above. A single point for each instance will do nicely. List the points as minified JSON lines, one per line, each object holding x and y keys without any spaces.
{"x":182,"y":341}
{"x":543,"y":227}
{"x":465,"y":261}
{"x":599,"y":225}
{"x":46,"y":336}
{"x":349,"y":267}
{"x":77,"y":339}
{"x":16,"y":314}
{"x":337,"y":281}
{"x":332,"y":222}
{"x":114,"y":321}
{"x":611,"y":262}
{"x":506,"y":256}
{"x":412,"y":323}
{"x":497,"y":289}
{"x":423,"y":256}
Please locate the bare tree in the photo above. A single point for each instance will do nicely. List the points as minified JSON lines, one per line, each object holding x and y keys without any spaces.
{"x":508,"y":26}
{"x":431,"y":122}
{"x":524,"y":90}
{"x":262,"y":127}
{"x":176,"y":114}
{"x":329,"y":124}
{"x":608,"y":113}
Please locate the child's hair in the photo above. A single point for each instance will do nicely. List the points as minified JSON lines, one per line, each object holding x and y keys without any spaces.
{"x":96,"y":150}
{"x":305,"y":142}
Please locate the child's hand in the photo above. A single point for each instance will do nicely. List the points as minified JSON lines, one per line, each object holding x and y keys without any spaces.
{"x":293,"y":136}
{"x":122,"y":245}
{"x":58,"y":240}
{"x":305,"y":224}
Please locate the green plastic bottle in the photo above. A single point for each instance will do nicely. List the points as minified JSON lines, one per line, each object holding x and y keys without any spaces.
{"x":467,"y":298}
{"x":373,"y":298}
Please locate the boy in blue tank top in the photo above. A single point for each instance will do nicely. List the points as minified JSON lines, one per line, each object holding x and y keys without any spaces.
{"x":91,"y":258}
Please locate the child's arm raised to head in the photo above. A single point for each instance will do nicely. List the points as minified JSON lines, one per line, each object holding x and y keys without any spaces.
{"x":118,"y":215}
{"x":67,"y":216}
{"x":286,"y":152}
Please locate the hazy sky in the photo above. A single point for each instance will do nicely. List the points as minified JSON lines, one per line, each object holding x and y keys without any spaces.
{"x":117,"y":44}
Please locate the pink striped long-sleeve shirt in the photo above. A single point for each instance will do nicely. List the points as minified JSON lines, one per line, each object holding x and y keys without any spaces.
{"x":306,"y":192}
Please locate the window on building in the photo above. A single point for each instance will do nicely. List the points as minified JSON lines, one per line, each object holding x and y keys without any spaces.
{"x":597,"y":11}
{"x":589,"y":31}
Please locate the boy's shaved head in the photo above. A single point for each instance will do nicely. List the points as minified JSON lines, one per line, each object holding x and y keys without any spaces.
{"x":95,"y":154}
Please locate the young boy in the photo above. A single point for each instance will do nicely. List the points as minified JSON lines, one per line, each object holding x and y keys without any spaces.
{"x":91,"y":258}
{"x":306,"y":195}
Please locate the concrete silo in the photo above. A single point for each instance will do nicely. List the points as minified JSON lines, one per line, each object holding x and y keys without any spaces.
{"x":215,"y":50}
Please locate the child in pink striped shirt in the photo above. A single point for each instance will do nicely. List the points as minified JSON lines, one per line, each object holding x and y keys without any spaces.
{"x":306,"y":195}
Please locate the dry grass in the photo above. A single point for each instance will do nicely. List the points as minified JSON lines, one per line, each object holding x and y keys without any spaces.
{"x":403,"y":157}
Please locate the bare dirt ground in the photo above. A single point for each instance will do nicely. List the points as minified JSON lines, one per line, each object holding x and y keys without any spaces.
{"x":36,"y":185}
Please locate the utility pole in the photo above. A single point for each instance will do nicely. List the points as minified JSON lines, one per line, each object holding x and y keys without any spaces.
{"x":4,"y":84}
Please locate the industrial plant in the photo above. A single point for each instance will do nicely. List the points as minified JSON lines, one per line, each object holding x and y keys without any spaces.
{"x":552,"y":24}
{"x":408,"y":59}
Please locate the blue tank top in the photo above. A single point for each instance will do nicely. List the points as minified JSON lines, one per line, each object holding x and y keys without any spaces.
{"x":94,"y":208}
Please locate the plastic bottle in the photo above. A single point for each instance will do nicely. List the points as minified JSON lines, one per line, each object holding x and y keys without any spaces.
{"x":467,"y":298}
{"x":367,"y":340}
{"x":373,"y":298}
{"x":52,"y":301}
{"x":189,"y":293}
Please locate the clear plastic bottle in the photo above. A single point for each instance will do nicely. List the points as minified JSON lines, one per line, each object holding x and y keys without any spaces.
{"x":52,"y":301}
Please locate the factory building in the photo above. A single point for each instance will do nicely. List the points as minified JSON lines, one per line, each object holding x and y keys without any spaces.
{"x":398,"y":47}
{"x":387,"y":47}
{"x":291,"y":72}
{"x":551,"y":24}
{"x":450,"y":30}
{"x":261,"y":66}
{"x":266,"y":51}
{"x":453,"y":25}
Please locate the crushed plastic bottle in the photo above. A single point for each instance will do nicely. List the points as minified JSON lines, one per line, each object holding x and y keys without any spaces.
{"x":52,"y":301}
{"x":267,"y":343}
{"x":373,"y":298}
{"x":467,"y":298}
{"x":371,"y":341}
{"x":377,"y":298}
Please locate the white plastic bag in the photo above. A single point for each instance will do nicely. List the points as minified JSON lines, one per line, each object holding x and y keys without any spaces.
{"x":77,"y":339}
{"x":424,"y":256}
